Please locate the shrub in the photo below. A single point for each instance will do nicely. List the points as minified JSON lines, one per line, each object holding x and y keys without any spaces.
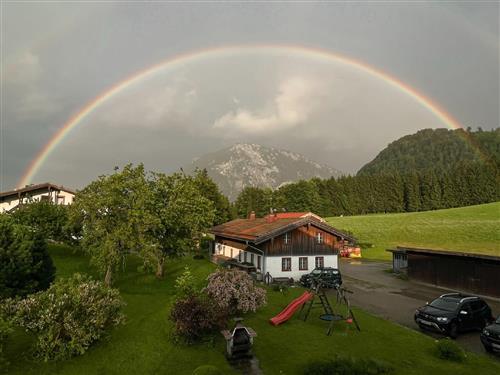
{"x":207,"y":370}
{"x":69,"y":316}
{"x":347,"y":366}
{"x":195,"y":316}
{"x":25,"y":264}
{"x":184,"y":284}
{"x":235,"y":291}
{"x":5,"y":330}
{"x":450,"y":351}
{"x":47,"y":218}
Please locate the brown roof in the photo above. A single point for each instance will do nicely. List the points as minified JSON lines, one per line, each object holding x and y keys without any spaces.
{"x":261,"y":229}
{"x":29,"y":188}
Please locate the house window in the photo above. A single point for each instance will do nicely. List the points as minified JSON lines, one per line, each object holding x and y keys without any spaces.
{"x":231,"y":252}
{"x":319,"y":237}
{"x":258,"y":262}
{"x":251,"y":258}
{"x":320,"y":262}
{"x":303,"y":263}
{"x":288,"y":238}
{"x":286,"y":264}
{"x":239,"y":256}
{"x":244,"y":256}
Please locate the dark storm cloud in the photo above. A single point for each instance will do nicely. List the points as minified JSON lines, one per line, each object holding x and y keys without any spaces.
{"x":57,"y":57}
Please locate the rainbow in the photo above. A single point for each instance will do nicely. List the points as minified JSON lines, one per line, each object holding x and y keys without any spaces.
{"x":218,"y":52}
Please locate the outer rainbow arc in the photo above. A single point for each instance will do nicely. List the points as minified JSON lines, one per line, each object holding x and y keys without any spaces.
{"x":40,"y":158}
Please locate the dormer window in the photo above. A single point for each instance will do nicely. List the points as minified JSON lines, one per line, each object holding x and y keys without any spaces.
{"x":288,"y":238}
{"x":319,"y":237}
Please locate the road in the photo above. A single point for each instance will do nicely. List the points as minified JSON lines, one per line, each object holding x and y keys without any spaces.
{"x":383,"y":294}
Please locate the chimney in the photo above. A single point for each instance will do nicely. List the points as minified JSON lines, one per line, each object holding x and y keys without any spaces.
{"x":251,"y":215}
{"x":271,"y":217}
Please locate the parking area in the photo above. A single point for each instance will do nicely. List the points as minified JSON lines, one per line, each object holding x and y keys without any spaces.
{"x":383,"y":294}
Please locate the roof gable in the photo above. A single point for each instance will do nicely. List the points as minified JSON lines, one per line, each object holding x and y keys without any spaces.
{"x":260,"y":230}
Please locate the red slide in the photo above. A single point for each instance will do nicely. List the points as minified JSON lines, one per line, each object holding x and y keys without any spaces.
{"x":288,"y":312}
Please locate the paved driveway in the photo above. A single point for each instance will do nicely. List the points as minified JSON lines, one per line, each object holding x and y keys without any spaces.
{"x":385,"y":295}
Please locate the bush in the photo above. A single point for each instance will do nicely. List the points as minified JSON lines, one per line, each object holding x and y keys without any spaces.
{"x":450,"y":351}
{"x":5,"y":330}
{"x":207,"y":370}
{"x":195,"y":316}
{"x":184,"y":284}
{"x":234,"y":291}
{"x":47,"y":218}
{"x":347,"y":366}
{"x":69,"y":316}
{"x":25,"y":264}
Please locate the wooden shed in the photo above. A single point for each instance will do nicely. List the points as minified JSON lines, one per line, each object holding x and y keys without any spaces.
{"x":467,"y":272}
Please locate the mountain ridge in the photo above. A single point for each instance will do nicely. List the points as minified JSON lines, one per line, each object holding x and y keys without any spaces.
{"x":249,"y":164}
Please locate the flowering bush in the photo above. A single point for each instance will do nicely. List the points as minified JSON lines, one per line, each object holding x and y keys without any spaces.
{"x":235,"y":291}
{"x":195,"y":316}
{"x":69,"y":316}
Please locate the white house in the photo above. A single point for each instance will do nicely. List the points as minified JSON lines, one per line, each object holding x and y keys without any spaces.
{"x":9,"y":200}
{"x":282,"y":244}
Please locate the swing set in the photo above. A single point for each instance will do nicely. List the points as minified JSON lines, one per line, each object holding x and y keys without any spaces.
{"x":341,"y":310}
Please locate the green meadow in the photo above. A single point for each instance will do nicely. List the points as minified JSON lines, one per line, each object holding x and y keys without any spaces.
{"x":474,"y":229}
{"x":144,"y":344}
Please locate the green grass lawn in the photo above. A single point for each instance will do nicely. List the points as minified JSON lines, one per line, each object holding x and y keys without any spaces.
{"x":474,"y":229}
{"x":144,"y":346}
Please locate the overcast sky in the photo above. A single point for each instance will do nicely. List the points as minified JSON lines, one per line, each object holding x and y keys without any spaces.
{"x":56,"y":57}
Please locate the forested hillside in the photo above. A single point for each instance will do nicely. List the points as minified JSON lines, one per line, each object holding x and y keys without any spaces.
{"x":467,"y":184}
{"x":441,"y":150}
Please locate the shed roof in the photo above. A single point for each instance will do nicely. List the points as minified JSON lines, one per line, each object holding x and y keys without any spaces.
{"x":401,"y":249}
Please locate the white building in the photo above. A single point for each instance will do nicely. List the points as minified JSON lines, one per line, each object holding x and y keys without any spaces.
{"x":9,"y":200}
{"x":283,"y":244}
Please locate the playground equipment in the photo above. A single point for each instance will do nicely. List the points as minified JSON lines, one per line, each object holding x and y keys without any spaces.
{"x":342,"y":305}
{"x":317,"y":296}
{"x":239,"y":342}
{"x":288,"y":312}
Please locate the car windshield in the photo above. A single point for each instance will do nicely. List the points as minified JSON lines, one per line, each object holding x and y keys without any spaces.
{"x":316,"y":272}
{"x":444,"y":304}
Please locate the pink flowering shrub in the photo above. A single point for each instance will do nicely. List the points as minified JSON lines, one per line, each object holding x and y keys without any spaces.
{"x":69,"y":316}
{"x":235,"y":291}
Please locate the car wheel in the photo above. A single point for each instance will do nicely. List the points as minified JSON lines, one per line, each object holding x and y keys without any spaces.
{"x":489,"y":349}
{"x":453,"y":330}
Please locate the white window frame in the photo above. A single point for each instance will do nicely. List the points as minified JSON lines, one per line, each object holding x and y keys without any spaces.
{"x":289,"y":260}
{"x":301,"y":265}
{"x":319,"y":262}
{"x":287,"y":238}
{"x":319,"y":237}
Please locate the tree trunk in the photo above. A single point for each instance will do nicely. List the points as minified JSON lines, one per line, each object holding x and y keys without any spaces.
{"x":160,"y":270}
{"x":109,"y":276}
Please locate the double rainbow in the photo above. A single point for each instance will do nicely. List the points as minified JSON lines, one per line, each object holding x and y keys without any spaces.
{"x":218,"y":52}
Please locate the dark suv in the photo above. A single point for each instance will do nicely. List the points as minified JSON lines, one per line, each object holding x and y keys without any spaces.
{"x":329,"y":277}
{"x":490,"y":337}
{"x":453,"y":313}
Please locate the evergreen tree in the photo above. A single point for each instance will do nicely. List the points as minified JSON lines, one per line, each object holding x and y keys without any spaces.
{"x":254,"y":199}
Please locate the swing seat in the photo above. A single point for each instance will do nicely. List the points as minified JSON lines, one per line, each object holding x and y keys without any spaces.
{"x":330,"y":317}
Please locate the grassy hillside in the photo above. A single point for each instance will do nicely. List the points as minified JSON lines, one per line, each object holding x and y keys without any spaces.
{"x":144,"y":346}
{"x":474,"y":229}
